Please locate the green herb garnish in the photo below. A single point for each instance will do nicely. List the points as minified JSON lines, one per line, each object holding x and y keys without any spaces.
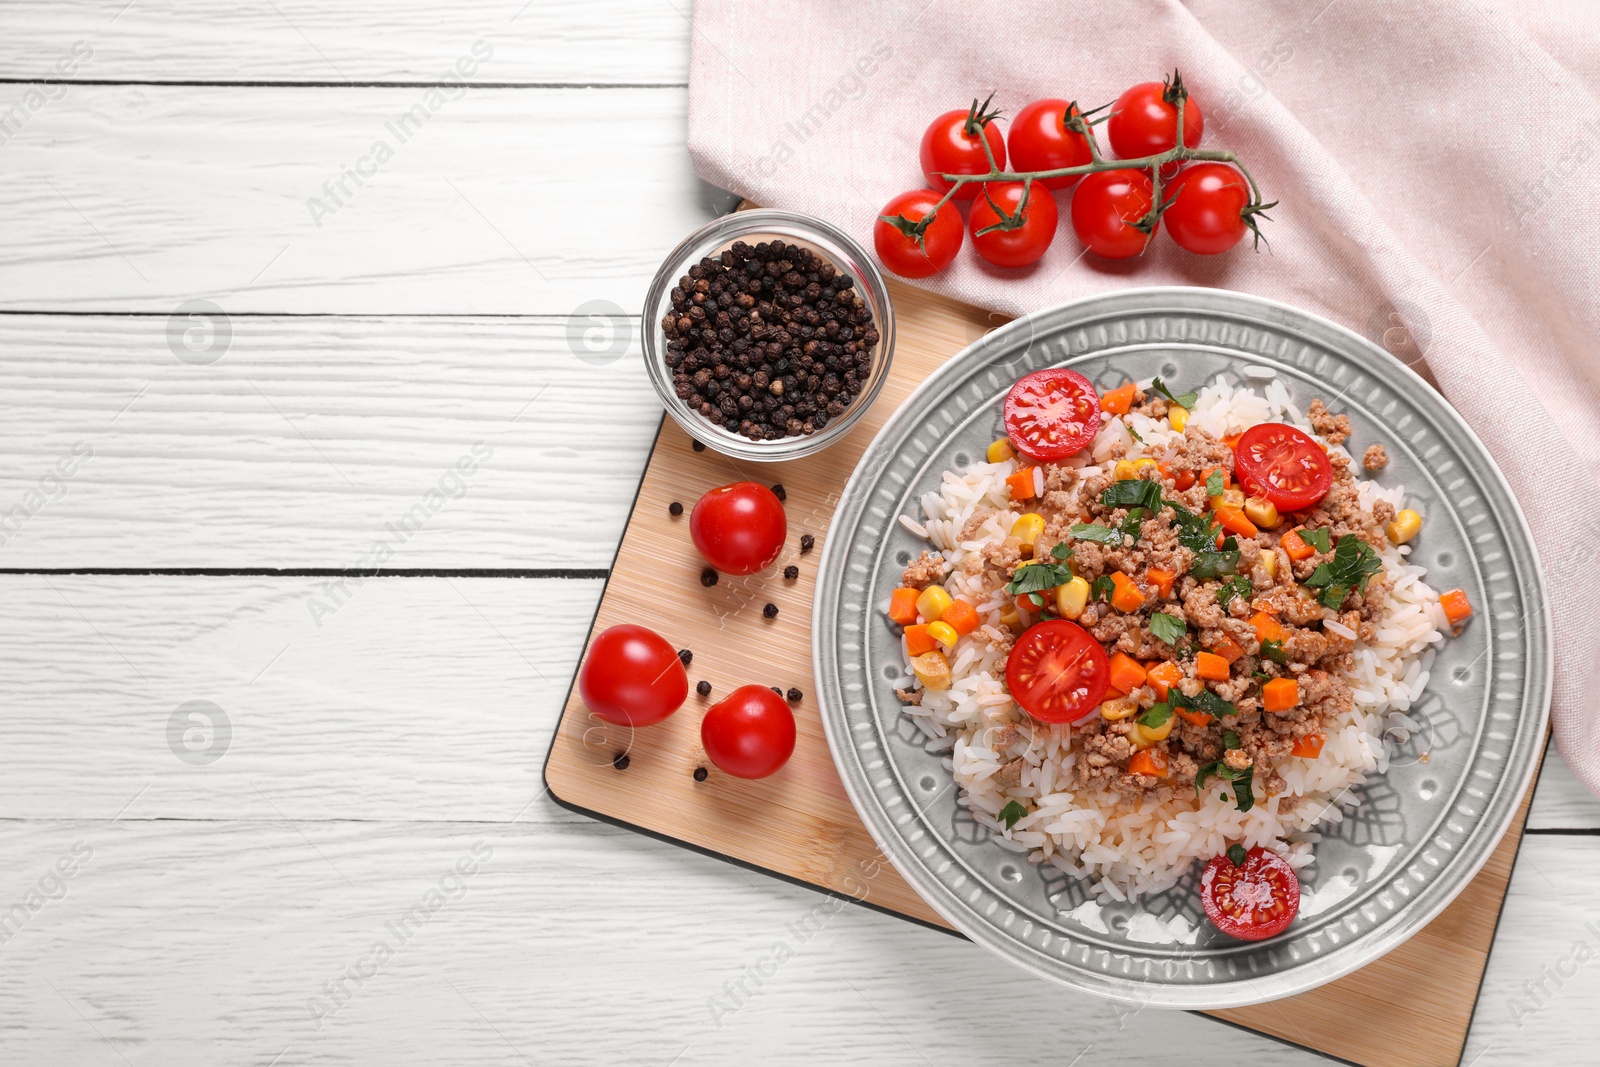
{"x":1134,"y":523}
{"x":1168,"y":628}
{"x":1011,"y":813}
{"x":1237,"y":586}
{"x":1319,"y":539}
{"x":1353,"y":565}
{"x":1102,"y":588}
{"x":1205,"y":701}
{"x":1243,"y":792}
{"x":1212,"y":564}
{"x":1093,"y":531}
{"x":1236,"y":853}
{"x":1062,"y":550}
{"x":1037,"y":577}
{"x":1273,"y":650}
{"x":1133,"y":493}
{"x":1230,"y":739}
{"x":1131,"y":431}
{"x":1156,"y":717}
{"x":1183,"y":400}
{"x":1214,"y":483}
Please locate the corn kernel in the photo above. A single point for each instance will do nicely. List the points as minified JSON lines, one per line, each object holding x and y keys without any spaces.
{"x":1269,"y":562}
{"x":1142,"y":464}
{"x":1124,"y":471}
{"x":1072,"y":598}
{"x":1118,"y":708}
{"x":1178,"y":416}
{"x":1230,"y":498}
{"x":1027,"y":529}
{"x":1405,"y":526}
{"x":1261,"y":511}
{"x":932,"y":602}
{"x":1147,"y":735}
{"x":1010,"y":617}
{"x":1000,"y":451}
{"x":943,"y":633}
{"x":932,"y":670}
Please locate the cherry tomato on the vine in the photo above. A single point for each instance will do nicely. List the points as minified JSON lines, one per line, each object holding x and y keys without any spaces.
{"x":739,"y":528}
{"x":1104,"y":208}
{"x":1144,"y":120}
{"x":750,"y":734}
{"x":1039,"y":140}
{"x":926,"y":249}
{"x":1023,"y":233}
{"x":1207,"y":215}
{"x":951,"y":145}
{"x":632,"y":677}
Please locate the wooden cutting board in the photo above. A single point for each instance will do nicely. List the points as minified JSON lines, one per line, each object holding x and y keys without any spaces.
{"x":1412,"y":1007}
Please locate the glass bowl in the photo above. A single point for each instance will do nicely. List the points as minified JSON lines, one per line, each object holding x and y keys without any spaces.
{"x":754,"y":227}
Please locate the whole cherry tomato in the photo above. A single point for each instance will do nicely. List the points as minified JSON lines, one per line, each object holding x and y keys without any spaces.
{"x":907,"y":246}
{"x":632,"y":677}
{"x":1023,"y":233}
{"x":1207,"y":215}
{"x":1039,"y":140}
{"x":1105,"y":206}
{"x":750,"y":734}
{"x":952,"y":145}
{"x":1144,"y":121}
{"x":739,"y":528}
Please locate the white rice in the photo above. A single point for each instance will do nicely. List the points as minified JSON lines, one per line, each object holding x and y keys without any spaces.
{"x":1120,"y":848}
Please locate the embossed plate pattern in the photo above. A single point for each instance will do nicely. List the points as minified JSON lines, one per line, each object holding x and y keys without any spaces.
{"x":1422,"y":830}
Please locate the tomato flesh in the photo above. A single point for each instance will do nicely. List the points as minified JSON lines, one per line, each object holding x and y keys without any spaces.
{"x":1283,"y":464}
{"x":1253,"y":900}
{"x":739,"y":528}
{"x":1052,"y":414}
{"x":632,"y":676}
{"x":750,"y":734}
{"x":1057,"y":672}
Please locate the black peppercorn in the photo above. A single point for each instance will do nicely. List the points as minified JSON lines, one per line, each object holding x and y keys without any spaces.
{"x":770,"y":611}
{"x":779,"y":492}
{"x":704,"y":689}
{"x":791,"y":572}
{"x":807,"y":542}
{"x":795,"y":696}
{"x":698,"y":447}
{"x":701,"y":774}
{"x":775,"y":689}
{"x":708,"y":577}
{"x":675,"y":509}
{"x":686,"y":656}
{"x":620,"y":761}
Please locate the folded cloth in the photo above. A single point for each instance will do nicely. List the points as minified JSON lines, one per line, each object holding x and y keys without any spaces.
{"x":1434,"y":165}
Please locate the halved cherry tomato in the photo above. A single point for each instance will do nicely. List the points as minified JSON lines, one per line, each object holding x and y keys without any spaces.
{"x":750,"y":734}
{"x":951,"y":145}
{"x":739,"y":528}
{"x":1253,"y":900}
{"x":632,"y":677}
{"x":1283,"y":464}
{"x":1052,"y":414}
{"x":1008,"y":232}
{"x":1057,"y":672}
{"x":1039,"y":140}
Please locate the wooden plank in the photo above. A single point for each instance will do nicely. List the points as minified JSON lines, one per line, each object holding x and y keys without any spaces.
{"x":263,"y":199}
{"x":1561,"y":802}
{"x":600,"y":42}
{"x":308,"y":437}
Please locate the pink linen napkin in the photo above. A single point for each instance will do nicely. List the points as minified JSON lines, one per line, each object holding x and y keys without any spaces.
{"x":1435,"y":164}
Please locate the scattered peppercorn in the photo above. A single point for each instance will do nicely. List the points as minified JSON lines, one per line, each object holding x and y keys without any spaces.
{"x":675,"y":509}
{"x":770,"y":611}
{"x":704,"y":689}
{"x":620,"y":761}
{"x":698,"y":447}
{"x":701,"y":774}
{"x":807,"y":543}
{"x":791,"y":572}
{"x":775,"y":689}
{"x":708,"y":577}
{"x":779,"y":492}
{"x":795,"y":696}
{"x":768,"y":340}
{"x":686,"y":656}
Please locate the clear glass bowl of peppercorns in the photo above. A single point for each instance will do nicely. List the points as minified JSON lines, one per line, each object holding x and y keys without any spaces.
{"x":768,"y":334}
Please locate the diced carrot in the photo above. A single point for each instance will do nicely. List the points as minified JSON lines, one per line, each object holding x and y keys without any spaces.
{"x":1309,"y":746}
{"x":919,"y":640}
{"x":1127,"y":673}
{"x":1149,"y":761}
{"x":1231,"y":441}
{"x":1161,"y":579}
{"x":1228,"y":649}
{"x":1183,"y":479}
{"x":1280,"y":694}
{"x":1020,"y":482}
{"x":1027,"y":602}
{"x":1163,"y":676}
{"x":903,"y":605}
{"x":1125,"y":596}
{"x":1119,"y":400}
{"x":1457,"y":608}
{"x":1211,"y":667}
{"x":1234,"y":521}
{"x":1267,"y":627}
{"x":1194,"y":717}
{"x":1296,"y":548}
{"x":961,"y":616}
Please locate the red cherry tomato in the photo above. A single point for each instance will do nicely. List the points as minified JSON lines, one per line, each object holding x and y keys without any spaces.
{"x":1253,"y":900}
{"x":1207,"y":212}
{"x":1040,"y":140}
{"x":950,"y":145}
{"x":1052,"y":414}
{"x":750,"y":734}
{"x":1105,"y":206}
{"x":1144,"y":121}
{"x":632,"y":677}
{"x":940,"y":240}
{"x":1283,"y":464}
{"x":1027,"y":240}
{"x":739,"y":528}
{"x":1057,"y":672}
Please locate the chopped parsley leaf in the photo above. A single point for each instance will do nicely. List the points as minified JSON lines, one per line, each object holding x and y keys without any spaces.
{"x":1214,"y":483}
{"x":1273,"y":650}
{"x":1237,"y":586}
{"x":1319,"y":539}
{"x":1093,"y":531}
{"x":1205,"y":701}
{"x":1353,"y":565}
{"x":1236,"y":853}
{"x":1134,"y":522}
{"x":1062,"y":551}
{"x":1211,"y":564}
{"x":1011,"y":813}
{"x":1197,"y":533}
{"x":1168,"y":628}
{"x":1230,"y":739}
{"x":1102,"y":588}
{"x":1133,"y":493}
{"x":1129,"y":427}
{"x":1243,"y":792}
{"x":1037,"y":577}
{"x":1183,"y":400}
{"x":1156,"y":717}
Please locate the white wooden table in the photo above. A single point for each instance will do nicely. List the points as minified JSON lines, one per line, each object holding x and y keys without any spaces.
{"x":176,"y":530}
